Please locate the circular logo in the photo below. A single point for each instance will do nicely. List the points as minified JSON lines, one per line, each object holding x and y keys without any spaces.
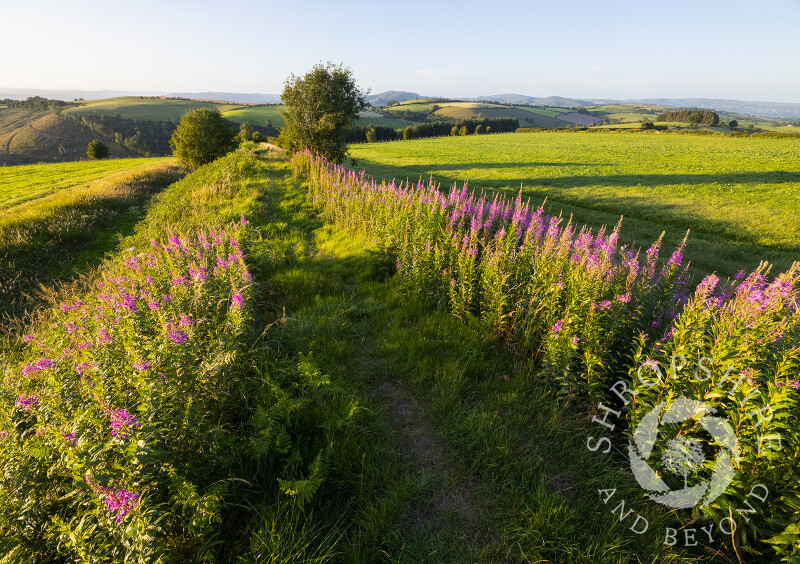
{"x":683,"y":456}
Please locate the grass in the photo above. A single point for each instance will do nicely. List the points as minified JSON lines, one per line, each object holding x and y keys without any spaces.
{"x":738,"y":196}
{"x":25,"y":185}
{"x":150,"y":109}
{"x":624,"y":111}
{"x":366,"y":119}
{"x":462,"y":458}
{"x":548,"y":112}
{"x":49,"y":241}
{"x":257,"y":115}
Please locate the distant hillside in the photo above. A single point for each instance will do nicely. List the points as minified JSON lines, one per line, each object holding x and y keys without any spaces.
{"x":67,"y":95}
{"x":552,"y":101}
{"x":508,"y":98}
{"x":561,"y":102}
{"x":33,"y":136}
{"x":763,"y":109}
{"x":392,"y":95}
{"x":236,"y":97}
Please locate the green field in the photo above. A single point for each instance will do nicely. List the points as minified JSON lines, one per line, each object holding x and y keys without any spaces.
{"x":548,"y":112}
{"x":366,"y":119}
{"x":739,"y":197}
{"x":256,"y":115}
{"x":25,"y":183}
{"x":152,"y":109}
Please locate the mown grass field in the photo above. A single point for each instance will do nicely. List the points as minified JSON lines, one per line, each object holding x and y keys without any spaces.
{"x":739,"y":197}
{"x":152,"y":109}
{"x":27,"y":183}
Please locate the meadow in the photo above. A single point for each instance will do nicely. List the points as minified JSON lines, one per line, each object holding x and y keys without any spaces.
{"x":287,"y":362}
{"x":258,"y":115}
{"x":26,"y":184}
{"x":739,"y":197}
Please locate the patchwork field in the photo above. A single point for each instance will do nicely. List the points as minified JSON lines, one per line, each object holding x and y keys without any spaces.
{"x":739,"y":197}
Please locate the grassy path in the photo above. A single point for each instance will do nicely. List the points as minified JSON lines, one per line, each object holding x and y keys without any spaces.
{"x":463,"y":457}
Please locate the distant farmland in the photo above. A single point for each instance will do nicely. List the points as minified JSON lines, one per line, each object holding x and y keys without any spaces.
{"x":152,"y":109}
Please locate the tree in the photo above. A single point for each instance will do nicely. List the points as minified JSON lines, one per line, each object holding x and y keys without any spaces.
{"x":245,"y":133}
{"x":97,"y":150}
{"x":201,"y":136}
{"x":733,"y":124}
{"x":454,"y":130}
{"x":371,"y":134}
{"x":320,"y":107}
{"x":479,"y":129}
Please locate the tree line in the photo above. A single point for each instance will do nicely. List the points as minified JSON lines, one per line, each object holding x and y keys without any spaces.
{"x":695,"y":117}
{"x":34,"y":103}
{"x":439,"y":128}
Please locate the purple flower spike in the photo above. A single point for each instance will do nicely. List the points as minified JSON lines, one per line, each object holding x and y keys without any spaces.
{"x":142,"y":366}
{"x":122,"y":422}
{"x":120,"y":502}
{"x":177,"y":336}
{"x":237,"y":300}
{"x":27,"y":402}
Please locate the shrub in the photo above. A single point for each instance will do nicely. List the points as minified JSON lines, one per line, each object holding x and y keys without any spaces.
{"x":97,"y":150}
{"x":202,"y":136}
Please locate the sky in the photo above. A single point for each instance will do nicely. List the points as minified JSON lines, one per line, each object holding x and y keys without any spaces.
{"x":733,"y":49}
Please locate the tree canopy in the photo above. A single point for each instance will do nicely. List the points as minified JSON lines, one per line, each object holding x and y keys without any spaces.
{"x":97,"y":150}
{"x":320,"y":107}
{"x":202,"y":136}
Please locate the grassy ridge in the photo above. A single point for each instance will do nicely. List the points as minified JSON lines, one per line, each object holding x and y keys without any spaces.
{"x":739,"y":196}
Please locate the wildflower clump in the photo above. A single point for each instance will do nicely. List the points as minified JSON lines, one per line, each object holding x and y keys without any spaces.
{"x":116,"y":389}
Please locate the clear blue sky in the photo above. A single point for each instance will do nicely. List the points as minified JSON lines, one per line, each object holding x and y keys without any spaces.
{"x":616,"y":49}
